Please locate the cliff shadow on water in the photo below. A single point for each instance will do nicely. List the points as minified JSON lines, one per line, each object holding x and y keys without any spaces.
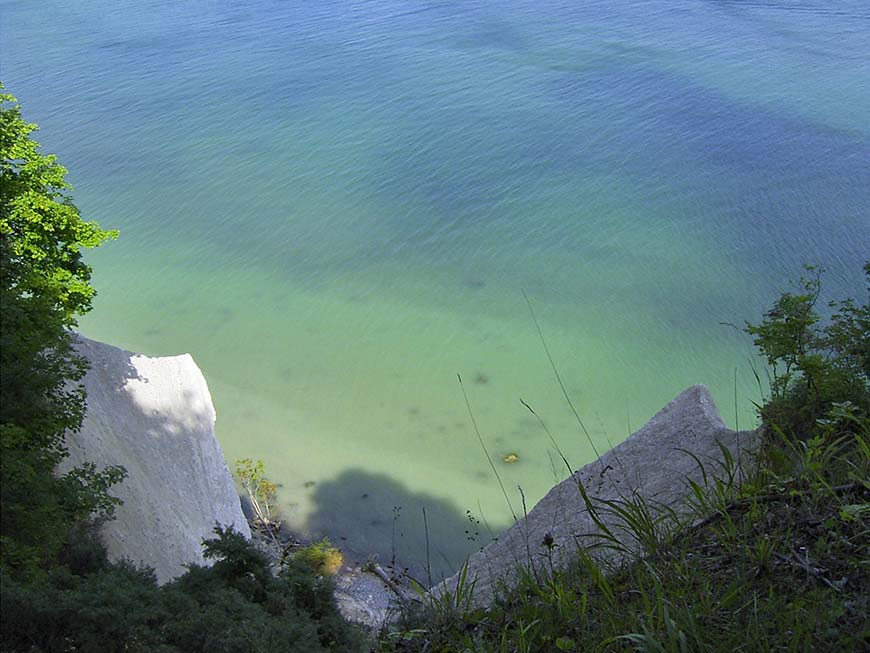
{"x":374,"y":515}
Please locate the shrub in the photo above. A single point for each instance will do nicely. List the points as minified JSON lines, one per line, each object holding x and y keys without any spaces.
{"x":322,"y":557}
{"x":261,"y":491}
{"x":238,"y":604}
{"x":813,"y":367}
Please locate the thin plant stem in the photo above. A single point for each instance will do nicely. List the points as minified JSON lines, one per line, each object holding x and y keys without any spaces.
{"x":426,"y":531}
{"x":485,"y":451}
{"x":559,"y":377}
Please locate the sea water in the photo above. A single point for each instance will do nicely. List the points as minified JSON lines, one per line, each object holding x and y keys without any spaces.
{"x":337,"y":207}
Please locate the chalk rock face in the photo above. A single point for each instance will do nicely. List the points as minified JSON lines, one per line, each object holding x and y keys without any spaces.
{"x":155,"y":417}
{"x":654,"y":462}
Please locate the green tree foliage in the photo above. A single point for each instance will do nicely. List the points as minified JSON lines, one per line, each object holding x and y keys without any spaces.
{"x":813,"y":366}
{"x":44,"y":285}
{"x":237,"y":605}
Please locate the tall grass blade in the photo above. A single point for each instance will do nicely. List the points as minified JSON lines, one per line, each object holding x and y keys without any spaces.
{"x":559,"y":377}
{"x":549,"y":435}
{"x":485,"y":450}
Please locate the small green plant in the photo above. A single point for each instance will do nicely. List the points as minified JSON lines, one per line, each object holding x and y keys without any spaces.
{"x":323,"y":558}
{"x":261,"y":491}
{"x":763,"y":552}
{"x":674,"y":640}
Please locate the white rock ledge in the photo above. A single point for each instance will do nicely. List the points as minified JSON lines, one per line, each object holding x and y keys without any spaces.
{"x":654,"y":462}
{"x":155,"y":417}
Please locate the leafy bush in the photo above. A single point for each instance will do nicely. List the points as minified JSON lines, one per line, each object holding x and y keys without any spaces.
{"x":813,"y":367}
{"x":237,"y":604}
{"x":321,"y":557}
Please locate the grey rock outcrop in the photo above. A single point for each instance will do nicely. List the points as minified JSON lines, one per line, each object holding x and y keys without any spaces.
{"x":155,"y":417}
{"x":363,"y":598}
{"x":656,"y":462}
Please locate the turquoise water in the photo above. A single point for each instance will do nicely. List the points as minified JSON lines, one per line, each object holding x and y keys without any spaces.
{"x":335,"y":208}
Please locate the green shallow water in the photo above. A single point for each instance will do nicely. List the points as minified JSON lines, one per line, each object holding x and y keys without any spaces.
{"x":336,"y":210}
{"x":356,"y":388}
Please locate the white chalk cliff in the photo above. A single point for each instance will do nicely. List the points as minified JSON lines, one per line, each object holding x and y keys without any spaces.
{"x":155,"y":417}
{"x":656,"y":462}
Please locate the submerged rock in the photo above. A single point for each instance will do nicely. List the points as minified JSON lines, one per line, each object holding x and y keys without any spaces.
{"x":155,"y":417}
{"x":656,"y":463}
